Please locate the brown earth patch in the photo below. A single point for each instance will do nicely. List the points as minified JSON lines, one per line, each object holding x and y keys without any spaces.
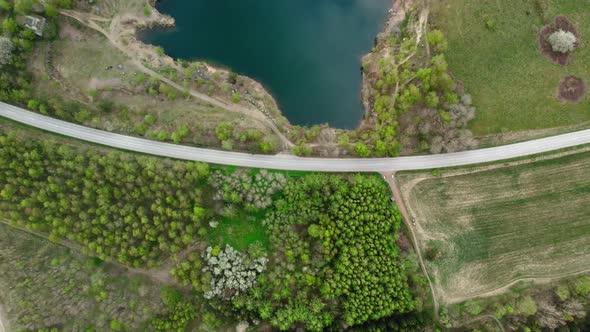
{"x":571,"y":88}
{"x":560,"y":23}
{"x":68,"y":31}
{"x":99,"y":84}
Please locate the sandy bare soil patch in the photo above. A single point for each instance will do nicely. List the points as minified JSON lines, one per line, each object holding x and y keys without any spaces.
{"x":99,"y":84}
{"x":67,"y":31}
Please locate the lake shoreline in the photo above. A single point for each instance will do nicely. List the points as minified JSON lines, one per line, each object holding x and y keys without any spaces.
{"x":391,"y":21}
{"x":317,"y":140}
{"x":136,"y":24}
{"x":396,"y":16}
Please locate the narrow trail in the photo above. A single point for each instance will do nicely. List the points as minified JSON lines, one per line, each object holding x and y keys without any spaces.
{"x":2,"y":328}
{"x":537,"y":279}
{"x":422,"y":25}
{"x":389,"y":177}
{"x":89,"y":20}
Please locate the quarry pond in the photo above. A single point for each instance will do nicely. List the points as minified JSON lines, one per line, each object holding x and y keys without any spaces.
{"x":306,"y":53}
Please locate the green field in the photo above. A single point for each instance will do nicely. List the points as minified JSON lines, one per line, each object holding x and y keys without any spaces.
{"x":494,"y":226}
{"x":513,"y":85}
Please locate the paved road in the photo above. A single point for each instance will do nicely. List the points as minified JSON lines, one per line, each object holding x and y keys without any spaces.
{"x":288,"y":162}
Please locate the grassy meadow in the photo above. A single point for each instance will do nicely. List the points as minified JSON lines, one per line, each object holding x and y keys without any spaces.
{"x":487,"y":228}
{"x":240,"y":232}
{"x":493,"y":50}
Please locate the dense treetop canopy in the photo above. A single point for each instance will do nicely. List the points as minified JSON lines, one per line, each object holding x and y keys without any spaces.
{"x":131,"y":208}
{"x":332,"y":260}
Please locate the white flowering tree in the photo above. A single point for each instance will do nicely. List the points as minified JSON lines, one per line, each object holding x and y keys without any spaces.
{"x":231,"y":272}
{"x":562,"y":41}
{"x":6,"y":49}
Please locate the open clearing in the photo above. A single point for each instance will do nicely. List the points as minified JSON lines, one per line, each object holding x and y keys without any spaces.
{"x":494,"y":51}
{"x":240,"y":232}
{"x":494,"y":226}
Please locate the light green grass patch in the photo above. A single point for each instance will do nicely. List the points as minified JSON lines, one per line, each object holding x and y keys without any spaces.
{"x":240,"y":231}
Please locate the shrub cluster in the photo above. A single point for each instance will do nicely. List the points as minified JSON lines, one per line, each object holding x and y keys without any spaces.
{"x":180,"y":312}
{"x":6,"y":49}
{"x":543,"y":308}
{"x":409,"y":90}
{"x":229,"y":135}
{"x":448,"y":133}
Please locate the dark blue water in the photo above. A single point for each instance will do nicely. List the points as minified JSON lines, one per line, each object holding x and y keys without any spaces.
{"x":307,"y":53}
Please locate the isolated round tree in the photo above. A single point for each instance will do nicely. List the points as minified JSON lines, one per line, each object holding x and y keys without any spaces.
{"x":562,"y":41}
{"x":6,"y":48}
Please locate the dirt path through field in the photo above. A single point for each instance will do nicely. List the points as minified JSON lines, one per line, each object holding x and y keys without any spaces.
{"x":3,"y":322}
{"x":390,"y":179}
{"x":536,"y":279}
{"x":114,"y":36}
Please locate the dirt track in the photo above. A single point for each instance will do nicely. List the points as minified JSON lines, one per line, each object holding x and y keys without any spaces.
{"x":3,"y":328}
{"x":390,"y":179}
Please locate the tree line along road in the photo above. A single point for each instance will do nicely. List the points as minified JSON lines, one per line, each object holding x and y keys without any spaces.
{"x":288,"y":162}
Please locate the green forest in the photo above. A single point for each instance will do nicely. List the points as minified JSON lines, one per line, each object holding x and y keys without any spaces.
{"x":321,"y":252}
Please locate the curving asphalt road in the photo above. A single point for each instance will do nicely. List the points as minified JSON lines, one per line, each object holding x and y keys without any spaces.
{"x":288,"y":162}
